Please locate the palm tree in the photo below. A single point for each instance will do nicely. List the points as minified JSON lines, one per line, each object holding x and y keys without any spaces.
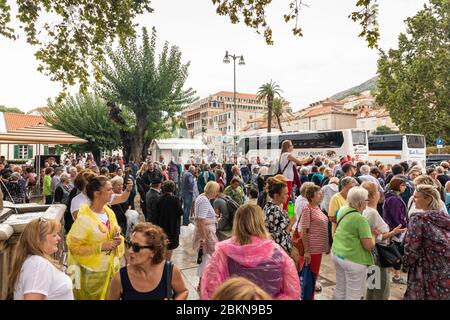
{"x":267,"y":92}
{"x":280,"y":108}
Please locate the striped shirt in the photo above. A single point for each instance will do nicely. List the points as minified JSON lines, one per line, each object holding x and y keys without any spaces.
{"x":317,"y":223}
{"x":203,"y":208}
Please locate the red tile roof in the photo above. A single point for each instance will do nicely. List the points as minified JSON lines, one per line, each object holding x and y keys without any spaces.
{"x":326,"y":110}
{"x":238,"y":95}
{"x":16,"y":120}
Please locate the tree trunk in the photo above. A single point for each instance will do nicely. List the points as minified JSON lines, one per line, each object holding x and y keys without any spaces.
{"x":269,"y":110}
{"x":279,"y":124}
{"x":97,"y":156}
{"x":137,"y":143}
{"x":144,"y":151}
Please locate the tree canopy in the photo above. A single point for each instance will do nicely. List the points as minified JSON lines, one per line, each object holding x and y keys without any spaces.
{"x":253,"y":14}
{"x":383,"y":130}
{"x":144,"y":94}
{"x":268,"y":92}
{"x":414,"y":82}
{"x":87,"y":117}
{"x":9,"y":109}
{"x":71,"y":36}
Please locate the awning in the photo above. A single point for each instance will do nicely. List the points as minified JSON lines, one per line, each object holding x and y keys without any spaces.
{"x":39,"y":134}
{"x":180,"y":144}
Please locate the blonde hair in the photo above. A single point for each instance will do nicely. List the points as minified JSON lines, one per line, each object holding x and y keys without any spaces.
{"x":424,"y":179}
{"x":304,"y":187}
{"x":285,"y":146}
{"x":211,"y":188}
{"x":239,"y":288}
{"x":370,"y":187}
{"x":430,"y":192}
{"x":31,"y":243}
{"x":249,"y":221}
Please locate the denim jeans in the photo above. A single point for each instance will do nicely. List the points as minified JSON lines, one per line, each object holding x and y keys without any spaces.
{"x":187,"y":204}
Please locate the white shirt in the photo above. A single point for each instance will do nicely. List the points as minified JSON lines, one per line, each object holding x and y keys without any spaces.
{"x":328,"y":192}
{"x":38,"y":275}
{"x":77,"y":201}
{"x":300,"y":204}
{"x":80,"y":199}
{"x":376,"y":222}
{"x":288,"y":172}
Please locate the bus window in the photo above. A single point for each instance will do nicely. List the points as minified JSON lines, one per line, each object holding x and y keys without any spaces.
{"x":319,"y":140}
{"x":393,"y":142}
{"x":415,"y":142}
{"x":359,"y":138}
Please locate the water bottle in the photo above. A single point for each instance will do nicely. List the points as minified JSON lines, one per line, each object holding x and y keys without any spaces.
{"x":200,"y":255}
{"x":291,"y":210}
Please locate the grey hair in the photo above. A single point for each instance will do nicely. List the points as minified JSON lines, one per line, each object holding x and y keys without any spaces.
{"x":347,"y":180}
{"x":116,"y":179}
{"x":365,"y":170}
{"x":356,"y":196}
{"x":65,"y":177}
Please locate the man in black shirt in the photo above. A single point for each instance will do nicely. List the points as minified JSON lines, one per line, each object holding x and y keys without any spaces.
{"x":151,"y":199}
{"x":149,"y":175}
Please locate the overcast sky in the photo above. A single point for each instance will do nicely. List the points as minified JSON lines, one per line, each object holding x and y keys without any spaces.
{"x":329,"y":57}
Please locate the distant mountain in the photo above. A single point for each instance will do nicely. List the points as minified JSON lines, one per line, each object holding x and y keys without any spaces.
{"x":368,"y":85}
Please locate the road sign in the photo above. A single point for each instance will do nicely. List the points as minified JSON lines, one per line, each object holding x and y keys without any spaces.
{"x":440,"y":143}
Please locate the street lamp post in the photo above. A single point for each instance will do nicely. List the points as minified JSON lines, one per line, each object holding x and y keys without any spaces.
{"x":226,"y":59}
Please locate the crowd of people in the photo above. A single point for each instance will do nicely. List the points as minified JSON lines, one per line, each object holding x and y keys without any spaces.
{"x":358,"y":212}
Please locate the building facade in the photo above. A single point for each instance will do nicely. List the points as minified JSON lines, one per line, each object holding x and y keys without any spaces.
{"x":211,"y":119}
{"x":22,"y":152}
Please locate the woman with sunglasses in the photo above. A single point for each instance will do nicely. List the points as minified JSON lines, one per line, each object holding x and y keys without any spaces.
{"x":94,"y":242}
{"x":35,"y":275}
{"x":427,"y":244}
{"x":148,"y":276}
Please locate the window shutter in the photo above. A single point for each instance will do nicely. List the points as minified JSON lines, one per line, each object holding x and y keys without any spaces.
{"x":45,"y":150}
{"x":16,"y":151}
{"x":30,"y":152}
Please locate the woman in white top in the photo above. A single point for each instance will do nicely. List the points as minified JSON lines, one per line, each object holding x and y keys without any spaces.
{"x":205,"y":218}
{"x":82,"y":199}
{"x":286,"y":164}
{"x":378,"y":225}
{"x":35,"y":275}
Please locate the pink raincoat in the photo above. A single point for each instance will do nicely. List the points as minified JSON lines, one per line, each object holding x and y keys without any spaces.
{"x":263,"y":261}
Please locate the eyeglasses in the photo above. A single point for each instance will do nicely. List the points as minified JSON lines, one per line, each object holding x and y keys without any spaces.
{"x":136,"y":247}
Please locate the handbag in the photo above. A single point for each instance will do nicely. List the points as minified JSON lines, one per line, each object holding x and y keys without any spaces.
{"x":389,"y":256}
{"x":297,"y":238}
{"x":169,"y":292}
{"x":307,"y":283}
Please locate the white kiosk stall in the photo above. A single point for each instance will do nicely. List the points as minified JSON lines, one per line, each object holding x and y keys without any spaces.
{"x":181,"y":151}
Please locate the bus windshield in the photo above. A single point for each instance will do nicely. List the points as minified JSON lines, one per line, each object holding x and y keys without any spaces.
{"x":415,"y":142}
{"x":359,"y":138}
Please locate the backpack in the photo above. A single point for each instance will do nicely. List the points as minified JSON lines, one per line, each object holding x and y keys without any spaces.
{"x":232,"y":206}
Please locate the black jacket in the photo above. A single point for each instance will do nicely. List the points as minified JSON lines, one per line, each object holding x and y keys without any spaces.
{"x":151,"y":200}
{"x":167,"y":216}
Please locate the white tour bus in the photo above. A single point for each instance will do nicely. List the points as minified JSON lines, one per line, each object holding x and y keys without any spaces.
{"x":335,"y":143}
{"x":395,"y":148}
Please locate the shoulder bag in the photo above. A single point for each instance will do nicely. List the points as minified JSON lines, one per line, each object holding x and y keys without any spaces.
{"x":169,"y":270}
{"x":389,"y":256}
{"x":297,"y":237}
